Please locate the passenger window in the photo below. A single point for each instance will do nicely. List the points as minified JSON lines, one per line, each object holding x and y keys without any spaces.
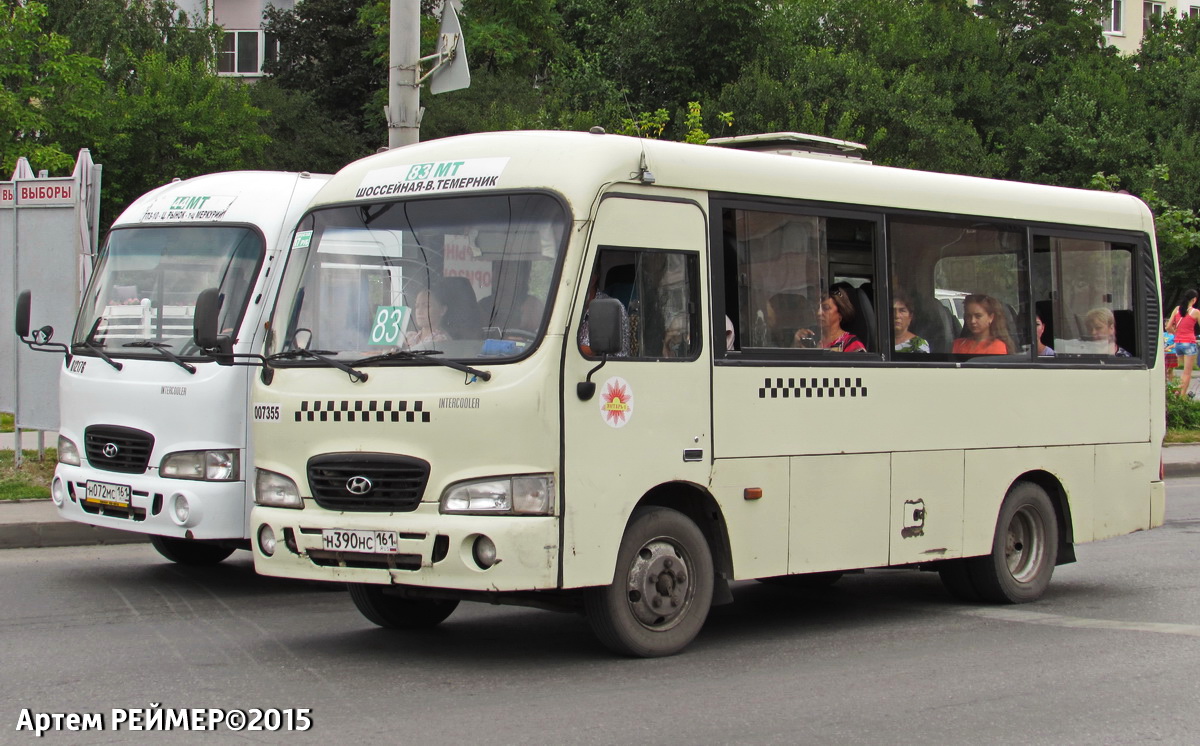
{"x":780,"y":267}
{"x":963,"y":284}
{"x":1084,"y":296}
{"x":659,"y":294}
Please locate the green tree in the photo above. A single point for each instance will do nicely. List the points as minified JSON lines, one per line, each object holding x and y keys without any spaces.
{"x":122,"y":32}
{"x":174,"y":119}
{"x":328,"y":51}
{"x":47,"y":90}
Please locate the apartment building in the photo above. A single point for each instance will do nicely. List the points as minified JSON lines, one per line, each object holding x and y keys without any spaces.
{"x":245,"y":47}
{"x":1127,"y":20}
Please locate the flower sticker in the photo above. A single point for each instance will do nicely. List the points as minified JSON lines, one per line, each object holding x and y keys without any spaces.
{"x":616,"y":402}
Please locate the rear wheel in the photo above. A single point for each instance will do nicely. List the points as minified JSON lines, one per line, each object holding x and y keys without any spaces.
{"x":394,"y":612}
{"x":1024,"y":552}
{"x":662,"y":590}
{"x":190,"y":551}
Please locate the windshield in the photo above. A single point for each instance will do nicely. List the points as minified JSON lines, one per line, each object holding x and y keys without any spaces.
{"x":467,"y":276}
{"x":145,"y":285}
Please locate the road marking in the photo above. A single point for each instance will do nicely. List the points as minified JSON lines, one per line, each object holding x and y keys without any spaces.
{"x":1075,"y":622}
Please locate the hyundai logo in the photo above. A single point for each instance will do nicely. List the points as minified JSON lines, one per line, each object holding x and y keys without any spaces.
{"x":358,"y":485}
{"x":111,"y":450}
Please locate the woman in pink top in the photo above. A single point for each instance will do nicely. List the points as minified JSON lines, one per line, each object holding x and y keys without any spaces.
{"x":985,"y":330}
{"x":1183,"y":324}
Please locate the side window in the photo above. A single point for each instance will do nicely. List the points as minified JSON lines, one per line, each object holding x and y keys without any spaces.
{"x":958,"y":288}
{"x":1084,"y":297}
{"x":659,"y":294}
{"x":795,"y":281}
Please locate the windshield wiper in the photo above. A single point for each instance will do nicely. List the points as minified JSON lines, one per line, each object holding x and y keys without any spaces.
{"x":482,"y":375}
{"x":89,"y":343}
{"x":161,"y":348}
{"x":357,"y":376}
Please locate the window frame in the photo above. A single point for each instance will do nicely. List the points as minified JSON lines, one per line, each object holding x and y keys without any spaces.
{"x":692,"y":259}
{"x":718,"y":203}
{"x":1145,"y":289}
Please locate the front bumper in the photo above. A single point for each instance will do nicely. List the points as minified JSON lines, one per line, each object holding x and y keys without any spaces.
{"x":435,"y":550}
{"x":217,"y":510}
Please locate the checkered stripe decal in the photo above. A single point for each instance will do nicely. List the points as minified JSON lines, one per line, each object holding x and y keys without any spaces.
{"x":362,"y":411}
{"x":812,"y":388}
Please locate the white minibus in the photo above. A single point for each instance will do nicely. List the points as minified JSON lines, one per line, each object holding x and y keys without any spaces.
{"x":608,"y":375}
{"x":153,"y":434}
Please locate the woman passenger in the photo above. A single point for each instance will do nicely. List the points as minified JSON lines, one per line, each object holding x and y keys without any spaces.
{"x":429,"y":313}
{"x":902,"y":315}
{"x":1101,"y":327}
{"x":985,"y":330}
{"x":1044,"y":349}
{"x":836,"y":308}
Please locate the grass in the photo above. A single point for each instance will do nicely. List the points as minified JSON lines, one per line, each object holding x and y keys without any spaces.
{"x":1183,"y":436}
{"x":31,"y":480}
{"x":6,"y":422}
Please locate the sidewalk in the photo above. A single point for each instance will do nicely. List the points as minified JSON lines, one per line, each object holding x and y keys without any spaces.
{"x":35,"y":523}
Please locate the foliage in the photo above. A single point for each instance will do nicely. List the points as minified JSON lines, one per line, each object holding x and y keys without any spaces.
{"x":47,"y":90}
{"x":122,"y":32}
{"x":1183,"y":412}
{"x":180,"y":118}
{"x":293,"y":118}
{"x":328,"y":51}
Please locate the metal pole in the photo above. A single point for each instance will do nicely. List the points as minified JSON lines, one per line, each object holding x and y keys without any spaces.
{"x":404,"y":95}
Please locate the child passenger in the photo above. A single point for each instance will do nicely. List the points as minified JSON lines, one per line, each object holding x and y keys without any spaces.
{"x":985,"y":330}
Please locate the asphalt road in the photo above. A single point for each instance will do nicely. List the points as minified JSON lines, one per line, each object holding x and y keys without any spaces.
{"x":1111,"y":655}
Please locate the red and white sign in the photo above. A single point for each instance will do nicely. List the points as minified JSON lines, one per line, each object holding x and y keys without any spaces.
{"x":8,"y":194}
{"x":462,"y":260}
{"x":616,"y":402}
{"x":47,"y":192}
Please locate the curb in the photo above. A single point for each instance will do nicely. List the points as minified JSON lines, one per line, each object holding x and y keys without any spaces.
{"x":1182,"y":469}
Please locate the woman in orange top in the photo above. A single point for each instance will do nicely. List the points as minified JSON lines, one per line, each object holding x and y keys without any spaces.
{"x":985,"y":330}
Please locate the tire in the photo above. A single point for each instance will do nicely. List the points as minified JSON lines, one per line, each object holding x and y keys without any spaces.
{"x":394,"y":612}
{"x":662,"y":590}
{"x":810,"y":580}
{"x":1024,"y":549}
{"x":190,"y":551}
{"x":957,"y":580}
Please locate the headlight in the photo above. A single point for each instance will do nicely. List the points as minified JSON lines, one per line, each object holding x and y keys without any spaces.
{"x":275,"y":490}
{"x":531,"y":494}
{"x":211,"y":466}
{"x":68,"y":452}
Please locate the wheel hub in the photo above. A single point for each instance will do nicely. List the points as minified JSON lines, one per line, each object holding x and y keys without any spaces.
{"x":659,"y":586}
{"x":1023,"y":546}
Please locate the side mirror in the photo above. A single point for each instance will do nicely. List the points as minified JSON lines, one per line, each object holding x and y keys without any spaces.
{"x":604,"y":326}
{"x":24,"y":300}
{"x":204,"y":323}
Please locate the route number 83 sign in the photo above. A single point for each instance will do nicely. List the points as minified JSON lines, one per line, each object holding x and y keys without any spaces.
{"x":388,"y":325}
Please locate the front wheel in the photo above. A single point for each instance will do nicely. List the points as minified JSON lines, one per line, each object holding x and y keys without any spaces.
{"x":1024,"y":552}
{"x":394,"y":612}
{"x":662,"y":590}
{"x":190,"y":551}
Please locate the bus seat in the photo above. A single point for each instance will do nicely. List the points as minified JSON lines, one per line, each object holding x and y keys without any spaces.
{"x":462,"y":319}
{"x":863,"y":325}
{"x":619,"y":283}
{"x":937,"y":326}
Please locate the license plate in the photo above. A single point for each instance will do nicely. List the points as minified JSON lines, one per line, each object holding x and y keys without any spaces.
{"x":372,"y":542}
{"x":116,"y":495}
